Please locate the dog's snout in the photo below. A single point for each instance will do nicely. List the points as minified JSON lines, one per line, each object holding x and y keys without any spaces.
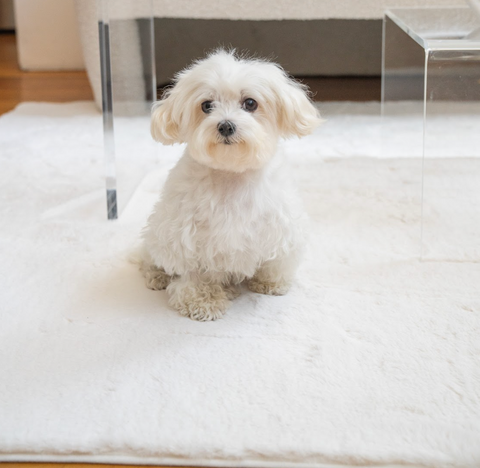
{"x":226,"y":128}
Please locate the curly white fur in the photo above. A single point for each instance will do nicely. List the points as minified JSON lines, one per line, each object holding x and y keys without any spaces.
{"x":228,"y":212}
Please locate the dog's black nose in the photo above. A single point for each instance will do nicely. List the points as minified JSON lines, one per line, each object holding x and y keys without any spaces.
{"x":226,"y":128}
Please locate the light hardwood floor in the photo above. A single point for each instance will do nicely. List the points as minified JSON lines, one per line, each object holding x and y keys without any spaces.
{"x":73,"y":465}
{"x":17,"y":85}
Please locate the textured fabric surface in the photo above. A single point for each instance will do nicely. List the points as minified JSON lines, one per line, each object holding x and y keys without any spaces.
{"x":371,"y":359}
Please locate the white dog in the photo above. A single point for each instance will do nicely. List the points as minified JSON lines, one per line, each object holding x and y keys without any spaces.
{"x":227,"y":212}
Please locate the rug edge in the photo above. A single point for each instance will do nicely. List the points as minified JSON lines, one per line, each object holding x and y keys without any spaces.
{"x":183,"y":462}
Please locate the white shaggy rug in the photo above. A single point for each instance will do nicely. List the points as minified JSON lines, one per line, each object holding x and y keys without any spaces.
{"x":372,"y":359}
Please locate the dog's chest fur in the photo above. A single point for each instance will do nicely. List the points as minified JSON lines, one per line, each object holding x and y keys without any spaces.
{"x":209,"y":219}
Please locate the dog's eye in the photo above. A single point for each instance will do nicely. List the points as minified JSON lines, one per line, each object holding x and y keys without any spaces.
{"x":250,"y":105}
{"x":207,"y":107}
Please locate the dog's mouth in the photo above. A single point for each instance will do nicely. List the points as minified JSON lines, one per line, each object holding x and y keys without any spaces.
{"x":228,"y":139}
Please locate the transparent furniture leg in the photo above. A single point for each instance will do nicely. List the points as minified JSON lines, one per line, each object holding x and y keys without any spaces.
{"x":431,"y":66}
{"x":451,"y":157}
{"x":107,"y":110}
{"x":127,"y":56}
{"x":403,"y":65}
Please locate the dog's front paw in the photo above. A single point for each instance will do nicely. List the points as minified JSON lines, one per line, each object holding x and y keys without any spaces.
{"x":267,"y":287}
{"x":202,"y":303}
{"x":203,"y":312}
{"x":155,"y":278}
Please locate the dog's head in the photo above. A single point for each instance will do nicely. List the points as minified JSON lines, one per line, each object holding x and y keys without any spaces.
{"x":232,"y":111}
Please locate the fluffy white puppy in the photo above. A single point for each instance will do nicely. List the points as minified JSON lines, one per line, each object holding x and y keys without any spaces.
{"x":227,"y":213}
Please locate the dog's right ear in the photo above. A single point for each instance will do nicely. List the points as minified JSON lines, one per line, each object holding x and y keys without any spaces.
{"x":165,"y":126}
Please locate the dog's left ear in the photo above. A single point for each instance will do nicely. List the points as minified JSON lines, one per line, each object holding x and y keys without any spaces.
{"x":296,"y":114}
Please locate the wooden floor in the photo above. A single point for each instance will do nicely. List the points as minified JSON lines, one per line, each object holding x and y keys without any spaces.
{"x":17,"y":86}
{"x":344,"y":88}
{"x":73,"y":465}
{"x":79,"y":465}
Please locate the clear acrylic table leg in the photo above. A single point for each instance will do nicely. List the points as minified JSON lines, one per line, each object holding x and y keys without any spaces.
{"x":403,"y":78}
{"x":127,"y":56}
{"x":107,"y":110}
{"x":431,"y":70}
{"x":451,"y":193}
